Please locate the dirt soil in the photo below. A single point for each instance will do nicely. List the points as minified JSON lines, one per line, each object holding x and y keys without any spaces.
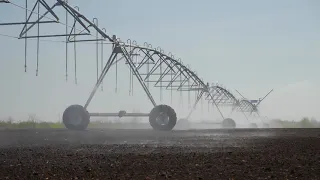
{"x":146,"y":154}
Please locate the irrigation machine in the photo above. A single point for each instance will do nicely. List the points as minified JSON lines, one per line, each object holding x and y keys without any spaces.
{"x":150,"y":66}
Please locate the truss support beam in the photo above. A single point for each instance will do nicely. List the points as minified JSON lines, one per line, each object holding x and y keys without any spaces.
{"x":78,"y":17}
{"x":195,"y":104}
{"x":20,"y":23}
{"x":129,"y":60}
{"x":102,"y":76}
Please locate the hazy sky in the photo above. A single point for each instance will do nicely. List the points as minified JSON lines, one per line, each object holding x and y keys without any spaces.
{"x":252,"y":46}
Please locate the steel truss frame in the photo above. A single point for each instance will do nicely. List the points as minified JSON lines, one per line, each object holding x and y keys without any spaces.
{"x":73,"y":11}
{"x":170,"y":73}
{"x":81,"y":27}
{"x":163,"y":71}
{"x":249,"y":107}
{"x":222,"y":97}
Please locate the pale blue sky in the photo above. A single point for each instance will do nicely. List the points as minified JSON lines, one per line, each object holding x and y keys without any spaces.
{"x":249,"y":45}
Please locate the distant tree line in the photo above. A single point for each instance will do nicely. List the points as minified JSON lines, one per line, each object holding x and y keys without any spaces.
{"x":303,"y":123}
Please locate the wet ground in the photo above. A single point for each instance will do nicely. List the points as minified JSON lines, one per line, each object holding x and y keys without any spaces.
{"x":147,"y":154}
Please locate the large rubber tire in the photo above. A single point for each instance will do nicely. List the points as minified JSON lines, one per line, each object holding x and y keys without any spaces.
{"x":76,"y":117}
{"x":169,"y":112}
{"x":228,"y":123}
{"x":253,"y":125}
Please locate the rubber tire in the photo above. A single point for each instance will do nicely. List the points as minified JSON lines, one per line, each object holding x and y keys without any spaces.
{"x":155,"y":113}
{"x":76,"y":110}
{"x":253,"y":125}
{"x":228,"y":123}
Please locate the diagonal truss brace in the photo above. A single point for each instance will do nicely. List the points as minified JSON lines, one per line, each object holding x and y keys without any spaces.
{"x":45,"y":5}
{"x":118,"y":49}
{"x":81,"y":19}
{"x":199,"y":96}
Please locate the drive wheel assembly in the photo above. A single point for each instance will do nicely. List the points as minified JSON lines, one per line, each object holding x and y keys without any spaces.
{"x":162,"y":118}
{"x":76,"y":117}
{"x":228,"y":123}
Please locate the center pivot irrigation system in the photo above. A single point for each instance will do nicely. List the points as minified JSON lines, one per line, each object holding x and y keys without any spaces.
{"x":150,"y":66}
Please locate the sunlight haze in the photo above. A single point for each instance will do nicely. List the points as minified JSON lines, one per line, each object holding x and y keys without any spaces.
{"x":251,"y":46}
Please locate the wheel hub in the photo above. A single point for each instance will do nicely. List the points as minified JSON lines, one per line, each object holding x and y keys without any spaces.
{"x":75,"y":118}
{"x":162,"y":119}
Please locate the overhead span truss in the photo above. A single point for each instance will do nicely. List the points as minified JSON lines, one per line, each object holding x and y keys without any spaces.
{"x":250,"y":106}
{"x":78,"y":28}
{"x":246,"y":106}
{"x":222,"y":96}
{"x":150,"y":66}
